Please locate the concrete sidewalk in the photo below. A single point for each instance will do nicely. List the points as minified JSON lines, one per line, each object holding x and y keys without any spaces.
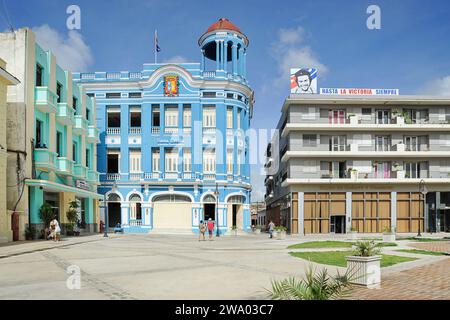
{"x":25,"y":247}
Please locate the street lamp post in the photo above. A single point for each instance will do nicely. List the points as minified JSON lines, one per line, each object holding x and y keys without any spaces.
{"x":423,"y":191}
{"x":216,"y":193}
{"x":113,"y":190}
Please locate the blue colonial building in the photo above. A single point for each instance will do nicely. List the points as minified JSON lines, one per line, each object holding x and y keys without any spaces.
{"x":173,"y":147}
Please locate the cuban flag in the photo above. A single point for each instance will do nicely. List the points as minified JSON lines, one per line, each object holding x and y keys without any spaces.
{"x":157,"y":48}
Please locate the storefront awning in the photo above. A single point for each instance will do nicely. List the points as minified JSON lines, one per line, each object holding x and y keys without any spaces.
{"x":50,"y":186}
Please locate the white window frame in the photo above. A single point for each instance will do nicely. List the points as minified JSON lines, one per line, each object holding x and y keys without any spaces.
{"x":135,"y":163}
{"x":171,"y":161}
{"x":187,"y":117}
{"x":209,"y":117}
{"x":156,"y":160}
{"x":229,"y":118}
{"x":171,"y":117}
{"x":209,"y":161}
{"x":230,"y":161}
{"x":187,"y":160}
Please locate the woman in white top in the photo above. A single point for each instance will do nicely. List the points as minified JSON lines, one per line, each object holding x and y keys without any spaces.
{"x":56,"y":230}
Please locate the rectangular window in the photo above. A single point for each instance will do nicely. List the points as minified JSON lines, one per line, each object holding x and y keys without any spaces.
{"x":383,"y":117}
{"x":310,"y":140}
{"x":382,"y":169}
{"x":39,"y":76}
{"x":156,"y":116}
{"x":155,"y":160}
{"x":230,"y":161}
{"x":338,"y":143}
{"x":88,"y":115}
{"x":59,"y":143}
{"x":187,"y":160}
{"x":336,"y":116}
{"x":366,"y":111}
{"x":39,"y":134}
{"x":75,"y":151}
{"x":416,"y":115}
{"x":230,"y":96}
{"x":113,"y":117}
{"x":209,"y":161}
{"x":239,"y":119}
{"x":229,"y":118}
{"x":113,"y":95}
{"x":187,"y":116}
{"x":171,"y":116}
{"x":209,"y":94}
{"x":135,"y":160}
{"x":88,"y":158}
{"x":113,"y":161}
{"x":74,"y":104}
{"x":171,"y":160}
{"x":209,"y":117}
{"x":135,"y":95}
{"x":416,"y":143}
{"x":135,"y":117}
{"x":382,"y":143}
{"x":59,"y":91}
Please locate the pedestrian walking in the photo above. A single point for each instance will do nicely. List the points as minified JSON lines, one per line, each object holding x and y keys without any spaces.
{"x":210,"y":228}
{"x":202,"y":229}
{"x":271,"y":227}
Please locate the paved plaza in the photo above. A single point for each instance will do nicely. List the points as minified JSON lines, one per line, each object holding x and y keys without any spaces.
{"x":167,"y":266}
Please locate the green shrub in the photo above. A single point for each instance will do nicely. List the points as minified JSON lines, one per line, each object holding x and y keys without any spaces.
{"x":366,"y":249}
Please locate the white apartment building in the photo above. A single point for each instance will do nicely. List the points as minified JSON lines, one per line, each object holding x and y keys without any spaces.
{"x":364,"y":163}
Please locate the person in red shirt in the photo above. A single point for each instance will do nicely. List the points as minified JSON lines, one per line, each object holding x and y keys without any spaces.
{"x":210,"y":228}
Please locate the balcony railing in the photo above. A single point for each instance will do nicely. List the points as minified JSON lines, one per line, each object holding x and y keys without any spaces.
{"x":135,"y":223}
{"x":156,"y":130}
{"x":171,"y":130}
{"x":152,"y":175}
{"x":209,"y":74}
{"x":135,"y":130}
{"x":45,"y":99}
{"x":64,"y":166}
{"x":113,"y":131}
{"x":209,"y":130}
{"x":80,"y":125}
{"x":93,"y":176}
{"x":80,"y":171}
{"x":65,"y":114}
{"x":136,"y":176}
{"x":171,"y":175}
{"x":209,"y":176}
{"x":93,"y":134}
{"x":44,"y":159}
{"x":188,"y":175}
{"x":113,"y":176}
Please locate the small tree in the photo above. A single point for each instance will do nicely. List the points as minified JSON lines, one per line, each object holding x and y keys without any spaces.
{"x":46,"y":214}
{"x":72,"y":215}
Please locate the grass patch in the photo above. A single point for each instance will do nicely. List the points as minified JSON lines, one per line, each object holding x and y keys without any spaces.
{"x":337,"y":258}
{"x":333,"y":244}
{"x":431,"y":253}
{"x":418,"y":239}
{"x":321,"y":244}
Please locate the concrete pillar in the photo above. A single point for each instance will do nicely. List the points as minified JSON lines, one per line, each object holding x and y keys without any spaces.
{"x":125,"y":207}
{"x":301,"y":214}
{"x":240,"y":65}
{"x":438,"y":212}
{"x":225,"y":57}
{"x":202,"y":67}
{"x":348,"y":211}
{"x":234,"y":58}
{"x":146,"y":208}
{"x":217,"y":55}
{"x":244,"y":66}
{"x":394,"y":210}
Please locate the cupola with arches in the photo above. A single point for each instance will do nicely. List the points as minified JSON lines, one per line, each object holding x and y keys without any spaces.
{"x":224,"y":50}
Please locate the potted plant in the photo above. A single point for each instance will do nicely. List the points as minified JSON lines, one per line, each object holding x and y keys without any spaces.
{"x":365,"y":262}
{"x":352,"y":118}
{"x":72,"y":217}
{"x":388,"y":234}
{"x":46,"y":215}
{"x":353,"y":173}
{"x":281,"y":232}
{"x":30,"y":233}
{"x":353,"y":234}
{"x":398,"y":116}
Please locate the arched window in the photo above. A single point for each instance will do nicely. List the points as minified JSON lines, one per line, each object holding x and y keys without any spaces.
{"x":236,"y":199}
{"x":113,"y":198}
{"x":171,"y":198}
{"x":135,"y":207}
{"x":209,"y":199}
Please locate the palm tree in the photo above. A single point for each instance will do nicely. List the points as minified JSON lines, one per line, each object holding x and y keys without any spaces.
{"x":315,"y":286}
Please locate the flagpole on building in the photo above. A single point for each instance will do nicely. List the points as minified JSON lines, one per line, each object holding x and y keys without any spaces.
{"x":155,"y":46}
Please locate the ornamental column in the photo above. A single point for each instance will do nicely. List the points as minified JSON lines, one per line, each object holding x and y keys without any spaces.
{"x":217,"y":55}
{"x":234,"y":58}
{"x":202,"y":66}
{"x":225,"y":57}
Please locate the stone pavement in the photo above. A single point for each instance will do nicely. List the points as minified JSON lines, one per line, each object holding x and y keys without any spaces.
{"x":429,"y":282}
{"x":441,"y":246}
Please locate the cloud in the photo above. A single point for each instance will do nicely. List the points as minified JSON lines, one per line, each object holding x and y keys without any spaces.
{"x":291,"y":51}
{"x":176,"y":59}
{"x":438,"y":87}
{"x":71,"y":52}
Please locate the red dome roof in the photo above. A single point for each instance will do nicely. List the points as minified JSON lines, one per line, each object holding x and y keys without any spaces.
{"x":223,"y":24}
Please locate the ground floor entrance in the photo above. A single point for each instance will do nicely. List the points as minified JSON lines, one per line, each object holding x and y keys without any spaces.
{"x":114,"y":216}
{"x":337,"y":224}
{"x":209,"y":211}
{"x":167,"y":215}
